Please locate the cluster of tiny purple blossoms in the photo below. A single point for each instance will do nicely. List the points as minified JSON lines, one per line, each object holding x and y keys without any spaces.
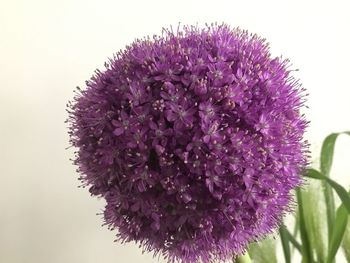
{"x":194,"y":139}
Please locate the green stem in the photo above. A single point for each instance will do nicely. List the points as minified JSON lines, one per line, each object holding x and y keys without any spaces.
{"x":243,"y":258}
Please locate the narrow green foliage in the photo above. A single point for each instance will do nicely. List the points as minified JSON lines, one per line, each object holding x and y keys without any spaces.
{"x":313,"y":214}
{"x":342,"y":193}
{"x":307,"y":256}
{"x":292,"y":240}
{"x":263,"y":251}
{"x":327,"y":152}
{"x":346,"y":241}
{"x":325,"y":166}
{"x":296,"y":228}
{"x":339,"y":227}
{"x":285,"y":243}
{"x":243,"y":259}
{"x":326,"y":161}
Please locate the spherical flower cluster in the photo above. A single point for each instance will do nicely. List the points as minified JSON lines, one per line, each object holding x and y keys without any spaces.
{"x":195,"y":140}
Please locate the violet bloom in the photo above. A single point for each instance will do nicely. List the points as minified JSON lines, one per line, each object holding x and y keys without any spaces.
{"x":194,"y":139}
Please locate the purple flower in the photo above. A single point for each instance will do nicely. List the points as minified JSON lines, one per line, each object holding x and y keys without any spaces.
{"x":220,"y":73}
{"x":264,"y":124}
{"x":122,"y":124}
{"x":207,"y":110}
{"x":160,"y":132}
{"x":195,"y":141}
{"x":143,"y":178}
{"x":210,"y":131}
{"x":142,"y":114}
{"x":137,"y":94}
{"x":138,"y":137}
{"x":213,"y":179}
{"x":181,"y":114}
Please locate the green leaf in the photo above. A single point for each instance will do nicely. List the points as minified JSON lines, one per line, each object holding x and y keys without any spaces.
{"x":339,"y":227}
{"x":296,"y":225}
{"x":342,"y":193}
{"x":243,"y":259}
{"x":285,"y":243}
{"x":263,"y":251}
{"x":306,"y":247}
{"x":337,"y":230}
{"x":327,"y":152}
{"x":346,"y":242}
{"x":326,"y":161}
{"x":312,"y":207}
{"x":292,"y":240}
{"x":325,"y":167}
{"x":330,"y":208}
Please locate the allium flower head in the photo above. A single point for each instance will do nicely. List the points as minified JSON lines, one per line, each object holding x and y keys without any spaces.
{"x":194,"y":139}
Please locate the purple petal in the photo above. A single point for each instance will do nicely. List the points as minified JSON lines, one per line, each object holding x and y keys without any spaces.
{"x":118,"y":131}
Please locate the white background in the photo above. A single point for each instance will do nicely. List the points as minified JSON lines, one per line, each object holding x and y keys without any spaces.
{"x":49,"y":47}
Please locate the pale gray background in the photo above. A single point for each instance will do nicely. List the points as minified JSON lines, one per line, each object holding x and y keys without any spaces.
{"x":49,"y":47}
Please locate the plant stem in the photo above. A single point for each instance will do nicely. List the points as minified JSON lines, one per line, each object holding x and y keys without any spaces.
{"x":243,"y":258}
